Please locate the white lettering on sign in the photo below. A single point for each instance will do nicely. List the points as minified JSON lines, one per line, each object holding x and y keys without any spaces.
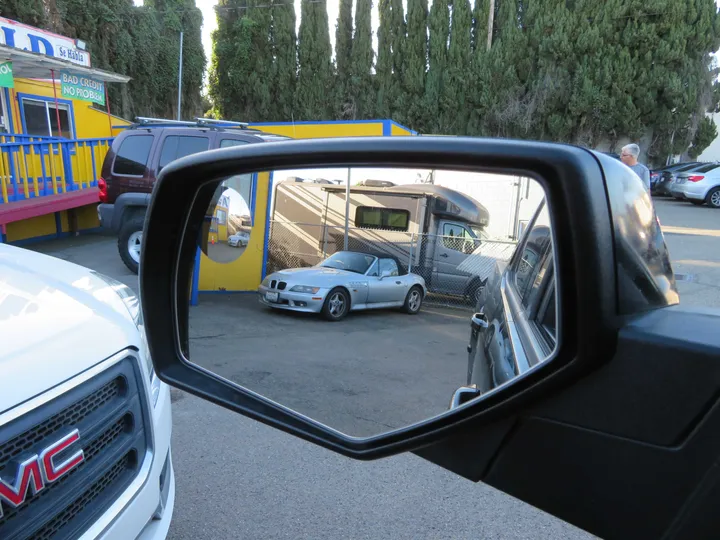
{"x":29,"y":38}
{"x":5,"y":69}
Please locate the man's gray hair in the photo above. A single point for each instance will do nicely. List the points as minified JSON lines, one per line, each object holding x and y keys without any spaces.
{"x":632,"y":149}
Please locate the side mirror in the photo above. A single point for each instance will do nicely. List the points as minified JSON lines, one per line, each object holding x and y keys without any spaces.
{"x":359,"y":392}
{"x":384,"y":274}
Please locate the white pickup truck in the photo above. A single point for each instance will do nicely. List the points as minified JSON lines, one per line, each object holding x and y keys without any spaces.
{"x":84,"y":422}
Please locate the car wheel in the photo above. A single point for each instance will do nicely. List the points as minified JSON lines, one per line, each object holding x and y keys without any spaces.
{"x":713,"y":198}
{"x":413,"y":300}
{"x":696,"y":203}
{"x":337,"y":305}
{"x":130,"y":243}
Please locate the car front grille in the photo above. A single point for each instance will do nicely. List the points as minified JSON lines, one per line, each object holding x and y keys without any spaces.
{"x":279,"y":285}
{"x":109,"y":412}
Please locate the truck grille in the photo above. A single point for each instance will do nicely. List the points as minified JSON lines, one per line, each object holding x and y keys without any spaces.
{"x":110,"y":414}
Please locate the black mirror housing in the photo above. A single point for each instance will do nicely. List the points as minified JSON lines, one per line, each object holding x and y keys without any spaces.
{"x":576,"y":196}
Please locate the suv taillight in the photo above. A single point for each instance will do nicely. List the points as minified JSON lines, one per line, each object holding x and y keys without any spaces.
{"x":695,"y":178}
{"x":102,"y":186}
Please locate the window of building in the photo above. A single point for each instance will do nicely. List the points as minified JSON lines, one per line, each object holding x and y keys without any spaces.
{"x":41,"y":118}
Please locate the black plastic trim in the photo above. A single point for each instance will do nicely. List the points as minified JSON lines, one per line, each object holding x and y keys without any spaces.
{"x":577,"y":199}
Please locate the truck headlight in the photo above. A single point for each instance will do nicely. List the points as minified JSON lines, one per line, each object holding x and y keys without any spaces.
{"x":305,"y":289}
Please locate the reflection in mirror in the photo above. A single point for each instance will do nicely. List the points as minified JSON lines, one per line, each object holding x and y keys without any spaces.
{"x":226,"y":231}
{"x":382,"y":296}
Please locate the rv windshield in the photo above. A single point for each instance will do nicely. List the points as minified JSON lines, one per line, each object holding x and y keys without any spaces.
{"x":350,"y":261}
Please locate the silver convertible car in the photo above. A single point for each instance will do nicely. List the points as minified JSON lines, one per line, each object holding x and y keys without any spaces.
{"x":345,"y":281}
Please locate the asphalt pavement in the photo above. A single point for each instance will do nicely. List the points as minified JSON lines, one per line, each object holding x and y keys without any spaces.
{"x":239,"y":479}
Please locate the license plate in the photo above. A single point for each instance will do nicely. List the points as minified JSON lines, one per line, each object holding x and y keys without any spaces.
{"x":271,"y":296}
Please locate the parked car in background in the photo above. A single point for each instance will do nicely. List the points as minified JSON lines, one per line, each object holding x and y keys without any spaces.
{"x":239,"y":239}
{"x":666,"y":176}
{"x":137,"y":156}
{"x":346,"y":281}
{"x":656,"y":174}
{"x":699,"y":186}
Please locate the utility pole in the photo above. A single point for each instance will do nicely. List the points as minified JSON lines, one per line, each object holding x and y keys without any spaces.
{"x":491,"y":21}
{"x":347,"y":209}
{"x":180,"y":77}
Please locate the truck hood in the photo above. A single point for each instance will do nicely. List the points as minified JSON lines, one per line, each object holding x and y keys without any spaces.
{"x":57,"y":319}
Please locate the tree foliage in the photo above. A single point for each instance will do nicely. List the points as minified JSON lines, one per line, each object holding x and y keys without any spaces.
{"x":141,"y":42}
{"x":705,"y":134}
{"x":315,"y":71}
{"x":411,"y":109}
{"x":343,"y":59}
{"x":362,"y":92}
{"x":580,"y":71}
{"x":285,"y":61}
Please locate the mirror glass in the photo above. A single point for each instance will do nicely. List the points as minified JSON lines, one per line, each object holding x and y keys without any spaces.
{"x":228,"y":222}
{"x":378,"y":298}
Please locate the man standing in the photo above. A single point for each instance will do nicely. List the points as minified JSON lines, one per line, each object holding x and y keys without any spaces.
{"x":629,"y":156}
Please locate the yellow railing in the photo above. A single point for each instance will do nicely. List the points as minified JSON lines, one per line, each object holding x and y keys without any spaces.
{"x":40,"y":166}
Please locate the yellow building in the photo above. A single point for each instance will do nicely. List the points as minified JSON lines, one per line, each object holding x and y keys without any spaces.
{"x":52,"y":144}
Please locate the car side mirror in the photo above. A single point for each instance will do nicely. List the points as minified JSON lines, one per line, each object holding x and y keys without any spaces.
{"x":572,"y":328}
{"x":384,"y":274}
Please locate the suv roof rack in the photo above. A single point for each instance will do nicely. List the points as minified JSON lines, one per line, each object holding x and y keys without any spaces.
{"x":145,"y":121}
{"x":221,"y":123}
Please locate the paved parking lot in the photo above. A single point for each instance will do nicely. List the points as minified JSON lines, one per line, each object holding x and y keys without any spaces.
{"x":369,"y":373}
{"x":239,"y":479}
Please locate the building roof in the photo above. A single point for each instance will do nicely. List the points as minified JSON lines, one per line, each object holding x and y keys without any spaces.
{"x":31,"y":65}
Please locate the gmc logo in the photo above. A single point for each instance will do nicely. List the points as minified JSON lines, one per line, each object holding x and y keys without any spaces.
{"x":40,"y":470}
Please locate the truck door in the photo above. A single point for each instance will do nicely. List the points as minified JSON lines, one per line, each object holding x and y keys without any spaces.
{"x":453,"y":246}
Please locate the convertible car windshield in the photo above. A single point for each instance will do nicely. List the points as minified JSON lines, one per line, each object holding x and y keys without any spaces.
{"x":348,"y":260}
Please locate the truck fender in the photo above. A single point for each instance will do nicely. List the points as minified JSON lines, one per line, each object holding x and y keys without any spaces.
{"x":128,"y":206}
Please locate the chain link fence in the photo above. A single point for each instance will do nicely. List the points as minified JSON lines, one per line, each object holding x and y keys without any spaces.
{"x":455,"y":268}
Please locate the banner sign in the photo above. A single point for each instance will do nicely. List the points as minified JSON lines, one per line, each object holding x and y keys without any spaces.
{"x":6,"y":76}
{"x":29,"y":38}
{"x":81,"y":87}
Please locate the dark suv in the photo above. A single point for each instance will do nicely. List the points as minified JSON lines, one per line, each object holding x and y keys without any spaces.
{"x":137,"y":156}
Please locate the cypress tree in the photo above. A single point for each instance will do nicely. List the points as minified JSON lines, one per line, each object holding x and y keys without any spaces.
{"x":258,"y":98}
{"x":439,"y":31}
{"x":343,"y":59}
{"x":480,"y":13}
{"x":285,"y":63}
{"x":384,"y":68}
{"x":457,"y":88}
{"x":313,"y":92}
{"x":231,"y":59}
{"x":362,"y":91}
{"x":391,"y":36}
{"x":411,"y":110}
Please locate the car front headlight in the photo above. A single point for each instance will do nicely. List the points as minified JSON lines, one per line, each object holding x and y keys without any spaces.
{"x":305,"y":289}
{"x":266,"y":282}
